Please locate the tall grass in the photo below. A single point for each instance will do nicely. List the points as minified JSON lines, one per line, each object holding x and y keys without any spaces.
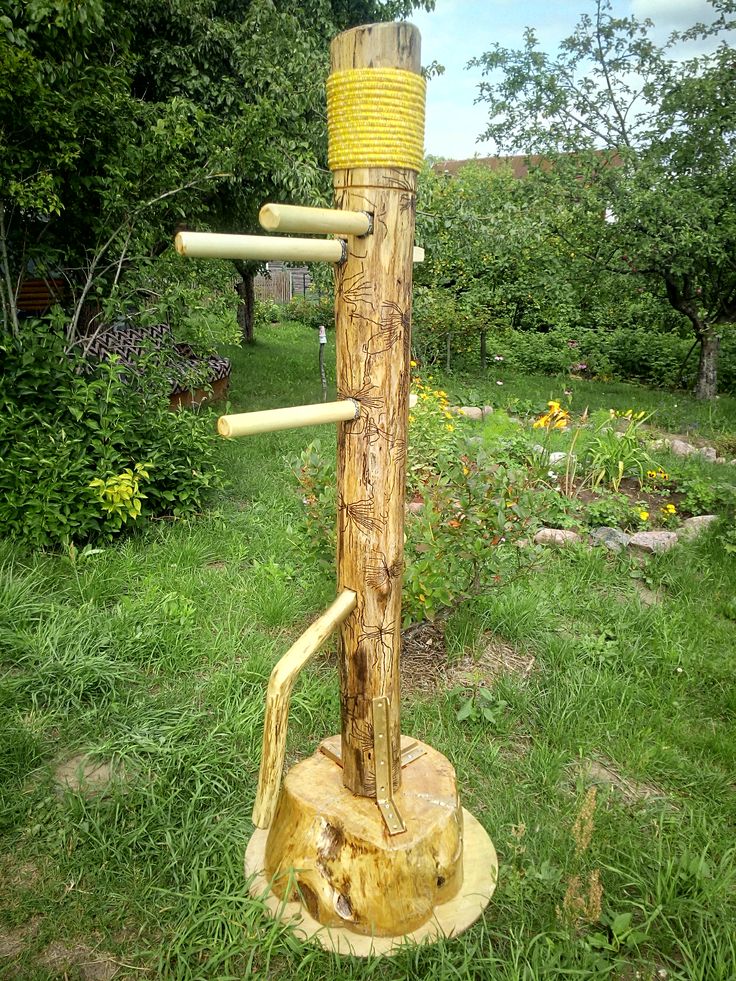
{"x":154,"y":655}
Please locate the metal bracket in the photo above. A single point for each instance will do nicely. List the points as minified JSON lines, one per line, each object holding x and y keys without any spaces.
{"x":410,"y":750}
{"x":382,"y":762}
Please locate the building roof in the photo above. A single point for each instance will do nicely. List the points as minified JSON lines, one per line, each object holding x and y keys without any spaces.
{"x":519,"y":164}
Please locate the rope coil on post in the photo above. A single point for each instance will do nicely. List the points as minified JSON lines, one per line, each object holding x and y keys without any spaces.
{"x":375,"y":118}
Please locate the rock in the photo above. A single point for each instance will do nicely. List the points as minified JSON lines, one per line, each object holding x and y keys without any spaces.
{"x":692,"y":527}
{"x":707,"y":453}
{"x":472,"y":412}
{"x":538,"y":448}
{"x":660,"y":444}
{"x":555,"y":536}
{"x":680,"y":448}
{"x":560,"y":457}
{"x":413,"y":399}
{"x":487,"y":410}
{"x":415,"y":507}
{"x":653,"y":541}
{"x":612,"y":538}
{"x":721,"y":459}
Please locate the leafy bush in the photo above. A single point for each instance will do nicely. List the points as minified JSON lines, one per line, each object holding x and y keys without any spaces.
{"x":433,"y":431}
{"x":267,"y":312}
{"x":69,"y":434}
{"x":457,"y":545}
{"x":613,"y":454}
{"x":310,"y":312}
{"x":195,"y":297}
{"x":702,"y":494}
{"x":610,"y":509}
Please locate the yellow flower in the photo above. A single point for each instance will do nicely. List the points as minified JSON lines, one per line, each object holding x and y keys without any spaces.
{"x":449,"y":427}
{"x":644,"y":515}
{"x":669,"y":509}
{"x":413,"y":364}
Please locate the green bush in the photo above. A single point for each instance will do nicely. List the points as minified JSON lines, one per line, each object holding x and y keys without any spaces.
{"x":625,"y":353}
{"x":310,"y":312}
{"x":65,"y":425}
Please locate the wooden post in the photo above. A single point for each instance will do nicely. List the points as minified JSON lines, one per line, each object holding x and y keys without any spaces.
{"x":372,"y":318}
{"x":364,"y":857}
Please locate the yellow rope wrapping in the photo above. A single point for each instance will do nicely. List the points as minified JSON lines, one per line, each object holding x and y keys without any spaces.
{"x":375,"y":118}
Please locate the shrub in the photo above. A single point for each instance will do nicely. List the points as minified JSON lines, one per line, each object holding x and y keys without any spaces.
{"x":70,"y":434}
{"x":310,"y":312}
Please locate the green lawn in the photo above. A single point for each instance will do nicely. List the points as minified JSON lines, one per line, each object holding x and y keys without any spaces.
{"x":153,"y":656}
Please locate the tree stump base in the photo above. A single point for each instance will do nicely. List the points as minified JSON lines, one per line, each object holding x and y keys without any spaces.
{"x":328,"y":865}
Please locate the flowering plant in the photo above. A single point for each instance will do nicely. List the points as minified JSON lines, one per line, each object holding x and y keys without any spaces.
{"x":555,"y":418}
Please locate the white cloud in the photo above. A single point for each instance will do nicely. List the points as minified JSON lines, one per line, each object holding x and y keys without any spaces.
{"x":673,"y":14}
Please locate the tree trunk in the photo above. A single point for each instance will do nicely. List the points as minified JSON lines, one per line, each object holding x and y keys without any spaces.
{"x":707,"y":383}
{"x":448,"y":352}
{"x":247,"y":306}
{"x":483,"y":349}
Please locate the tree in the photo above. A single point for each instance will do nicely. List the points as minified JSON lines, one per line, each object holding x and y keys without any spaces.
{"x":140,"y":115}
{"x":630,"y":131}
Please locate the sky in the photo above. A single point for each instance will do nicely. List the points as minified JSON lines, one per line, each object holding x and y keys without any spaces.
{"x":458,"y":30}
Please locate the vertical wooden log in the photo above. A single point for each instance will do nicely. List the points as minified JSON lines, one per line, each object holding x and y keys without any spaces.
{"x":373,"y":317}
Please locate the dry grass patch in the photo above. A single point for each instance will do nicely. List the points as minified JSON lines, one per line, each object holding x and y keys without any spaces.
{"x":424,"y":664}
{"x":498,"y":658}
{"x":632,"y":791}
{"x":89,"y":964}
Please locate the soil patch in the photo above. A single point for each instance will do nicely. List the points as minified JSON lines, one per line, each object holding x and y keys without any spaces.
{"x":424,"y":664}
{"x":83,"y":774}
{"x":498,"y":658}
{"x":91,"y":964}
{"x":632,"y":791}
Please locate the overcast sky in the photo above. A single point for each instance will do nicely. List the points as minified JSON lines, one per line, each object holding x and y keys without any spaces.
{"x":459,"y":30}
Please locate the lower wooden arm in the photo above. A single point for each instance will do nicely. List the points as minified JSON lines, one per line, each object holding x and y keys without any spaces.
{"x":280,"y":686}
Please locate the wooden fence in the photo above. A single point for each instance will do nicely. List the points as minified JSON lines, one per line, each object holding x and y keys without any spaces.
{"x":276,"y":287}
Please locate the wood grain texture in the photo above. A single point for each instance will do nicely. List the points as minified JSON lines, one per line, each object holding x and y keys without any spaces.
{"x":331,"y":849}
{"x":278,"y":696}
{"x":447,"y":920}
{"x":373,"y":317}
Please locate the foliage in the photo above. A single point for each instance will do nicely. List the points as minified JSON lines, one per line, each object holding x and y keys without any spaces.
{"x":482,"y":706}
{"x":701,"y":493}
{"x":611,"y":509}
{"x":434,"y":432}
{"x":614,"y":453}
{"x":459,"y":541}
{"x":121,"y":494}
{"x":315,"y":474}
{"x":310,"y":312}
{"x":196,"y":298}
{"x":140,"y":115}
{"x":643,"y":135}
{"x":76,"y":445}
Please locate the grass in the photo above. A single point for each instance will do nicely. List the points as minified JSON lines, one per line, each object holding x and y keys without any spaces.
{"x":674,"y":411}
{"x":153,"y":656}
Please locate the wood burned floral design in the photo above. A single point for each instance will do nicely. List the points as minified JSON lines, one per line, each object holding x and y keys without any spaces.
{"x":394,"y":323}
{"x":353,"y":290}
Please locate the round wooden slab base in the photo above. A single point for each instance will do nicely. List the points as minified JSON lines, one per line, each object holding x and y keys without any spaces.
{"x":448,"y":920}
